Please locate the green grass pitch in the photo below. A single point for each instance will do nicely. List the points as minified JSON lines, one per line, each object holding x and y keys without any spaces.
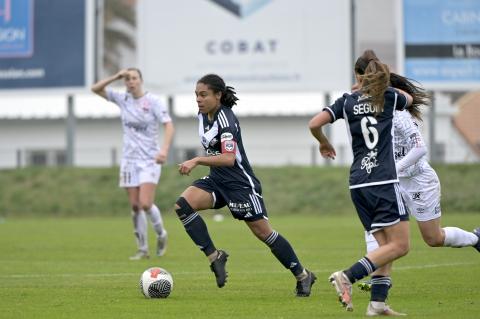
{"x":79,"y":268}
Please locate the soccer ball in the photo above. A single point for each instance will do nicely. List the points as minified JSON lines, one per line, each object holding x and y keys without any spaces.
{"x":156,"y":282}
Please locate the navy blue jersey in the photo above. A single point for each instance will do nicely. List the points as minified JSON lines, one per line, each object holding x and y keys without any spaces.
{"x":371,"y":136}
{"x":225,"y":127}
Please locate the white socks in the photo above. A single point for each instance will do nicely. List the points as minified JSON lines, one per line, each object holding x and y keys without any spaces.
{"x":140,"y":229}
{"x":456,"y":237}
{"x":157,"y":221}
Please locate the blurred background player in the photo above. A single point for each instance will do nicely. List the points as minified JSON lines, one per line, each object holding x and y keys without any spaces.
{"x":419,"y":182}
{"x":374,"y":187}
{"x":231,"y":183}
{"x":142,"y":157}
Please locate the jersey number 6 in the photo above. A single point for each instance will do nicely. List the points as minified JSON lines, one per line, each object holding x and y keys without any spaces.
{"x":370,"y":133}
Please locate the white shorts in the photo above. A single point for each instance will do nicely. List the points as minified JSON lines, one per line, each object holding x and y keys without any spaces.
{"x":421,"y":194}
{"x":371,"y":242}
{"x":135,"y":173}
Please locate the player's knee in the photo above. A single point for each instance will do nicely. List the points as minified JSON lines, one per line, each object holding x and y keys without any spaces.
{"x":433,"y":241}
{"x":183,"y":208}
{"x":135,"y":208}
{"x":146,"y":206}
{"x":402,"y":248}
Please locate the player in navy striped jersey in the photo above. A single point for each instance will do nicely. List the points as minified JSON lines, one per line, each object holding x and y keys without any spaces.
{"x":374,"y":188}
{"x":419,"y":182}
{"x":231,"y":183}
{"x":140,"y":167}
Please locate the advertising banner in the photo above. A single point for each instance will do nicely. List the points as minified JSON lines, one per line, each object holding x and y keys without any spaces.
{"x":255,"y":45}
{"x":44,"y":44}
{"x":441,"y":43}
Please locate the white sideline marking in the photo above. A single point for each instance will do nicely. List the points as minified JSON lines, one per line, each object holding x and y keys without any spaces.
{"x":106,"y":275}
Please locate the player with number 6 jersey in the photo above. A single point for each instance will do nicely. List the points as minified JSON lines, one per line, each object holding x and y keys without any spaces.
{"x":374,"y":188}
{"x":370,"y":135}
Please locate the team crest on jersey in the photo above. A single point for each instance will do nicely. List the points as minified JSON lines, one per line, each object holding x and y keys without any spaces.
{"x":145,"y":105}
{"x":229,"y":146}
{"x":370,"y":161}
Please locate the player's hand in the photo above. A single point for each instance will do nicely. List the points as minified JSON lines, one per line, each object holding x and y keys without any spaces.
{"x":121,"y":74}
{"x":186,"y":167}
{"x":161,"y":157}
{"x":356,"y":87}
{"x":327,"y":151}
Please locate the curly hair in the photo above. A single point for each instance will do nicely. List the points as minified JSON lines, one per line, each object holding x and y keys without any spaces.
{"x":217,"y":84}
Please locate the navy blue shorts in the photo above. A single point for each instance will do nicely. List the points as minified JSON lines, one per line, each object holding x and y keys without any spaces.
{"x":379,"y":206}
{"x":243,"y":202}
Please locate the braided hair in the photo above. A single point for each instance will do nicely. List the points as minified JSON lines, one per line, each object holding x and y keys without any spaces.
{"x":216,"y":84}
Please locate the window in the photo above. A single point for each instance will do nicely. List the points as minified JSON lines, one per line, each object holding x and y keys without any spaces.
{"x":50,"y":157}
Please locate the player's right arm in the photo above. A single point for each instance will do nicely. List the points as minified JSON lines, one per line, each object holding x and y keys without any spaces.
{"x":315,"y":125}
{"x":99,"y":87}
{"x":221,"y":160}
{"x":329,"y":115}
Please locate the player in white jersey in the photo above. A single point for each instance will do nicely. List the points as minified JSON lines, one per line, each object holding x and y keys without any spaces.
{"x":420,"y":188}
{"x":140,"y":167}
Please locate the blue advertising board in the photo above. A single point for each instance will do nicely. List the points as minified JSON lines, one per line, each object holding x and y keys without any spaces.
{"x":441,"y":42}
{"x":16,"y":28}
{"x":43,"y":44}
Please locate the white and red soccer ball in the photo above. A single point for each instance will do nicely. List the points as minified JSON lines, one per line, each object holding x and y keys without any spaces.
{"x":156,"y":282}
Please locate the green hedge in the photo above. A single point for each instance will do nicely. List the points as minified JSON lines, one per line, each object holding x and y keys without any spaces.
{"x":94,"y":191}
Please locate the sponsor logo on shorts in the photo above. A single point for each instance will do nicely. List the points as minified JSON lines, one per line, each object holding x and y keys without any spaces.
{"x":437,"y":209}
{"x":416,"y":196}
{"x":241,"y":207}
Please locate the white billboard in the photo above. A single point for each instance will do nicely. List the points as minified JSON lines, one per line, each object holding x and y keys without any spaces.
{"x":255,"y":45}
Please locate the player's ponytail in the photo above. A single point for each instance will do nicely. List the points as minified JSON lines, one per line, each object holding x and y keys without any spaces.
{"x":228,"y":97}
{"x":374,"y":77}
{"x":375,"y":82}
{"x":216,"y":84}
{"x":419,"y":95}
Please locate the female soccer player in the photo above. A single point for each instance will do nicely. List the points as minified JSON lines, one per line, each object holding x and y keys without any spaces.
{"x":231,"y":183}
{"x":419,"y":182}
{"x":142,"y":158}
{"x":373,"y":180}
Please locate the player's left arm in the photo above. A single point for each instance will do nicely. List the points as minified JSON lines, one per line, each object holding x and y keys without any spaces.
{"x":162,"y":115}
{"x":168,"y":131}
{"x":417,"y":145}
